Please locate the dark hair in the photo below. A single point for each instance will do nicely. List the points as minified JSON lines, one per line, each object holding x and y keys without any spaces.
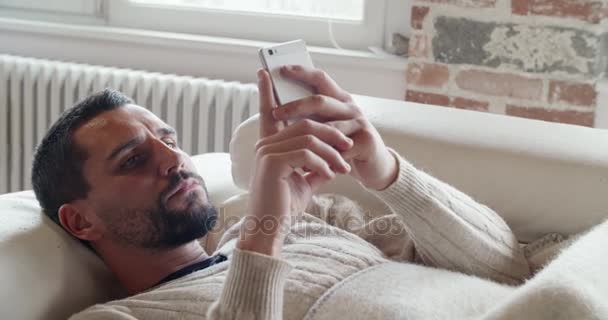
{"x":57,"y":168}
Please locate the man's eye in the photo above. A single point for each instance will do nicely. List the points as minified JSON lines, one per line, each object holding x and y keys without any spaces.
{"x":132,"y":162}
{"x":171,"y":144}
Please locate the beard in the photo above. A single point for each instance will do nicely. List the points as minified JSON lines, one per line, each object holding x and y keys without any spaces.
{"x":177,"y":227}
{"x":162,"y":227}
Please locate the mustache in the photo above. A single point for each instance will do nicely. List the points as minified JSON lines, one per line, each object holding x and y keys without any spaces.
{"x":177,"y":178}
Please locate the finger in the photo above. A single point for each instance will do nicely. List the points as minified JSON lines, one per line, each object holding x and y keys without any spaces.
{"x":364,"y":145}
{"x":351,"y":154}
{"x":317,"y":106}
{"x":315,"y":180}
{"x":312,"y":143}
{"x":268,"y":124}
{"x":356,"y":130}
{"x":285,"y":163}
{"x":325,"y":133}
{"x":348,"y":127}
{"x":318,"y":79}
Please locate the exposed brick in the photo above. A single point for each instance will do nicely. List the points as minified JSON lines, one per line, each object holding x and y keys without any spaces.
{"x":519,"y":7}
{"x":446,"y":101}
{"x":586,"y":10}
{"x":469,"y":104}
{"x":528,"y":47}
{"x":418,"y":15}
{"x":419,"y":46}
{"x":427,"y":98}
{"x":577,"y":94}
{"x":465,"y":3}
{"x":500,"y":84}
{"x":571,"y":117}
{"x":604,"y":13}
{"x":428,"y":74}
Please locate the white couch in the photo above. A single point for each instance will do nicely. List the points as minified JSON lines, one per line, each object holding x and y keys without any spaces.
{"x":541,"y":177}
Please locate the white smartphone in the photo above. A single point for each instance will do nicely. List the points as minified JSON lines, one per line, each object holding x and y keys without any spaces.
{"x":288,"y":53}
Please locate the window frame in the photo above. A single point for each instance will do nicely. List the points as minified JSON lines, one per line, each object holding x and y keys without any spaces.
{"x":70,"y":11}
{"x":78,"y":7}
{"x":382,"y":19}
{"x":268,"y":27}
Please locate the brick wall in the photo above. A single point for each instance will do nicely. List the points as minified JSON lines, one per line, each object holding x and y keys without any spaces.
{"x":528,"y":58}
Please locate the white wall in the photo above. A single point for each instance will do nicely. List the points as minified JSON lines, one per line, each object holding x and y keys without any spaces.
{"x":359,"y":72}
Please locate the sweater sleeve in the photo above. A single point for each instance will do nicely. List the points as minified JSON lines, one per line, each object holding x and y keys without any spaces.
{"x":253,"y":288}
{"x":452,"y":231}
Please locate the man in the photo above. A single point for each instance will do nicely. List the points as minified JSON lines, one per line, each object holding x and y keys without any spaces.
{"x":112,"y":175}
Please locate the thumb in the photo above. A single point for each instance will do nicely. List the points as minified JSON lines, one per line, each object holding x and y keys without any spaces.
{"x":268,"y":124}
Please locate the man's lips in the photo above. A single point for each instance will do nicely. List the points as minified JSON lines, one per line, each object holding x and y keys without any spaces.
{"x":182,"y":187}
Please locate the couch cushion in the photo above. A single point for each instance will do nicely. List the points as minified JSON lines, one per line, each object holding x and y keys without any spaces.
{"x":215,"y":168}
{"x":45,"y":274}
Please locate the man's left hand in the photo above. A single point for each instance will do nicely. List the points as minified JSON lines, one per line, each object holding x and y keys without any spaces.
{"x":372,"y":164}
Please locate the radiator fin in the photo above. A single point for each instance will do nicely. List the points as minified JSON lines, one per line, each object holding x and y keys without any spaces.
{"x":34,"y":93}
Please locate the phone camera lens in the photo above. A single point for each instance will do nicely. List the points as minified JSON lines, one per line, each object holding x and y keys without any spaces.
{"x":271,"y":52}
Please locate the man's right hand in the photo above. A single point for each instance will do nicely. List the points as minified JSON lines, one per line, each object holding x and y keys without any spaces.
{"x":277,"y":191}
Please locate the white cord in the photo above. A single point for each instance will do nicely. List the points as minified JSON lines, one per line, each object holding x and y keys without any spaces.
{"x":332,"y":38}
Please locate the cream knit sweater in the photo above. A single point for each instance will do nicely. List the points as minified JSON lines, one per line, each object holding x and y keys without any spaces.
{"x":333,"y":255}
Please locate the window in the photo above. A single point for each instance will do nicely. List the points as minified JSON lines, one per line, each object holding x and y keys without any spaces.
{"x":76,"y":11}
{"x":63,"y":6}
{"x":336,"y":9}
{"x":351,"y":24}
{"x":354,"y":24}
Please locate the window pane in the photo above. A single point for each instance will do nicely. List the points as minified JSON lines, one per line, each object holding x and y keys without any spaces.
{"x":68,"y":6}
{"x":335,"y":9}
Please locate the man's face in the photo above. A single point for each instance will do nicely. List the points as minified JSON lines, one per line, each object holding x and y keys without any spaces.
{"x":143,"y":187}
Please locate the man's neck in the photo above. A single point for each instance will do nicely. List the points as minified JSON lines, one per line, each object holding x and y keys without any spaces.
{"x":140,"y":269}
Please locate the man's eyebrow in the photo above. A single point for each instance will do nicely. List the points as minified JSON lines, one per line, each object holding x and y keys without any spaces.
{"x":129,"y":144}
{"x":166,"y":131}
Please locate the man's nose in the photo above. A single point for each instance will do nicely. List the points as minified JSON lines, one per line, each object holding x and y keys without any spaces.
{"x":171,"y":160}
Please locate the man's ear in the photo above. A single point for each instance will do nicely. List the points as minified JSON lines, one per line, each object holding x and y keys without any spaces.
{"x":76,"y":220}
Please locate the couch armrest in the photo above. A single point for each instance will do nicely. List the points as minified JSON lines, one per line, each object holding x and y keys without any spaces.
{"x":541,"y":177}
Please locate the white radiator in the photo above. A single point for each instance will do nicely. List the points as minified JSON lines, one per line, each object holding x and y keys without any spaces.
{"x":34,"y":92}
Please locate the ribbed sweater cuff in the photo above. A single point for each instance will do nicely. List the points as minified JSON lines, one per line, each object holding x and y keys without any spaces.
{"x":255,"y":284}
{"x":409,"y":190}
